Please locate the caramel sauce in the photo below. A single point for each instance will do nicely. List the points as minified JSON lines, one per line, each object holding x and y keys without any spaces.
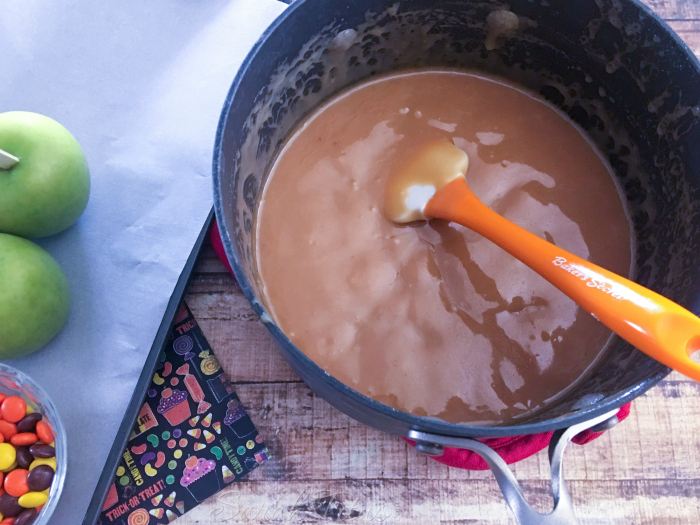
{"x":431,"y":318}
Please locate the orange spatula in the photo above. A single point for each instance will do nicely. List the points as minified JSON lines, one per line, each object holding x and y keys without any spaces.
{"x":432,"y":184}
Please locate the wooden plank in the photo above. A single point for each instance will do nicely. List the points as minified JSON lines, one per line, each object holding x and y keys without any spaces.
{"x":690,"y":33}
{"x":660,"y":502}
{"x":308,"y":440}
{"x":675,"y":9}
{"x":314,"y":445}
{"x":249,"y":354}
{"x":240,"y":341}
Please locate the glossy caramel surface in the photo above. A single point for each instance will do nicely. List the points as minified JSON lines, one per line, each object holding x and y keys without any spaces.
{"x":432,"y":318}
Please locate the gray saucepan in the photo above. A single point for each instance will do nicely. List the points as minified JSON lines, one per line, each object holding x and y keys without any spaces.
{"x":612,"y":65}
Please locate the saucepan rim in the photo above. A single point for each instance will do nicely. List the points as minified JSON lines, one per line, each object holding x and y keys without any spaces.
{"x":409,"y":421}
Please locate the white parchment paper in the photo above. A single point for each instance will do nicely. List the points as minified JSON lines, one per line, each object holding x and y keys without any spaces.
{"x":141,"y":84}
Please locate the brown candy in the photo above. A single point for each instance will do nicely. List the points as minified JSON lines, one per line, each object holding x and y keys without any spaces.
{"x":39,"y":478}
{"x":23,"y":457}
{"x":26,"y":517}
{"x":9,"y":507}
{"x":28,"y":422}
{"x":39,"y":450}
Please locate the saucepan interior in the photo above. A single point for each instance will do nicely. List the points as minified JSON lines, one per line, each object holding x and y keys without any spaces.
{"x":613,"y":66}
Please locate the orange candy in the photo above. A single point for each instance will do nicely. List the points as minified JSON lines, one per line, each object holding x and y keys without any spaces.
{"x":7,"y":429}
{"x":13,"y":408}
{"x":44,"y":432}
{"x":16,"y":482}
{"x":24,"y":439}
{"x":2,"y":397}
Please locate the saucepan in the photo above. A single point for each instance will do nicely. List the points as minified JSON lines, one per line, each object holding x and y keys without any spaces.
{"x":612,"y":65}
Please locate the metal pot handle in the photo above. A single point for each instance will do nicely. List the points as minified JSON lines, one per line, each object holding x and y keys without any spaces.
{"x":563,"y":512}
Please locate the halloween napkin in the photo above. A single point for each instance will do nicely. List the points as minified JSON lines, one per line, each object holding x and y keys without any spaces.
{"x":192,"y":436}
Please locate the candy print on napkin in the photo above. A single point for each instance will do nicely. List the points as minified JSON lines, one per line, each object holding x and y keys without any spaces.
{"x":191,"y":438}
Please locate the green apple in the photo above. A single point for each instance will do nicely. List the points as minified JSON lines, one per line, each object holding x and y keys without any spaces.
{"x":48,"y":189}
{"x":34,"y":297}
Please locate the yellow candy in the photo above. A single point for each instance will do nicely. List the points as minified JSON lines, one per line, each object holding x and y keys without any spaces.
{"x":10,"y":468}
{"x":7,"y":455}
{"x":43,"y":461}
{"x":30,"y":410}
{"x":32,"y":499}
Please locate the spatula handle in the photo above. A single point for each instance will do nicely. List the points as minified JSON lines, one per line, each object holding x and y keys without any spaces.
{"x":655,"y":325}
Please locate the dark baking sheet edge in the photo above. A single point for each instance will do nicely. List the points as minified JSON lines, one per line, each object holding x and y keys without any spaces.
{"x":110,"y":468}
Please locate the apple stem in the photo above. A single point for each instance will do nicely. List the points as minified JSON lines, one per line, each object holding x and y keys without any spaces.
{"x":7,"y":161}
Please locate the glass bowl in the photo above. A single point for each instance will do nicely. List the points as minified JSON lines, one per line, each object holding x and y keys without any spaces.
{"x":14,"y":382}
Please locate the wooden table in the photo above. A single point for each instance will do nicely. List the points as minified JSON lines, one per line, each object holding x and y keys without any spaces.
{"x":325,"y":467}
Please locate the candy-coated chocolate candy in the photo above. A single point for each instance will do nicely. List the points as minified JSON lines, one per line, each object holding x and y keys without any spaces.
{"x":44,"y":432}
{"x":28,"y":422}
{"x":9,"y":506}
{"x":39,"y":450}
{"x":7,"y":429}
{"x":24,"y":457}
{"x":51,"y":462}
{"x":32,"y":499}
{"x":15,"y":483}
{"x":24,"y":439}
{"x":7,"y":456}
{"x":13,"y":409}
{"x":27,"y":461}
{"x":26,"y":517}
{"x":39,"y":479}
